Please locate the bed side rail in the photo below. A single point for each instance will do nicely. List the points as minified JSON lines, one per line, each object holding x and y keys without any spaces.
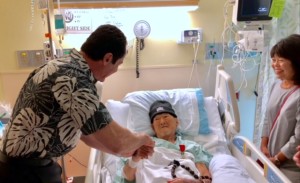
{"x":248,"y":154}
{"x":227,"y":102}
{"x":94,"y":166}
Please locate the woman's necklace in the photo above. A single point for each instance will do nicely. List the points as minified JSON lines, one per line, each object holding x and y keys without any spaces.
{"x":177,"y":164}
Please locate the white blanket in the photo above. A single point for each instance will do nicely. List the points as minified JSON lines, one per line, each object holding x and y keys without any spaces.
{"x":227,"y":169}
{"x":224,"y":168}
{"x":158,"y":169}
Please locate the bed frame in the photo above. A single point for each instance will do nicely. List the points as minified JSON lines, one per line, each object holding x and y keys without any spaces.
{"x":241,"y":148}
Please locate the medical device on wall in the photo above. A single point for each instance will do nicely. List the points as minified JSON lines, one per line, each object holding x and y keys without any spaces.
{"x":252,"y":40}
{"x":251,"y":14}
{"x":60,"y":26}
{"x":141,"y":30}
{"x":59,"y":23}
{"x":48,"y":55}
{"x":191,"y":36}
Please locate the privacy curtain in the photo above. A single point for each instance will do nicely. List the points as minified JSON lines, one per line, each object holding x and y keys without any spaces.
{"x":287,"y":24}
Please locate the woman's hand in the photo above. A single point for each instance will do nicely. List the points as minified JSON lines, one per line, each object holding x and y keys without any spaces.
{"x":272,"y":159}
{"x":264,"y":146}
{"x":297,"y":156}
{"x":265,"y":151}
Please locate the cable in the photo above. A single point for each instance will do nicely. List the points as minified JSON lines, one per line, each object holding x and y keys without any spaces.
{"x":194,"y":64}
{"x":256,"y":82}
{"x":142,"y":44}
{"x":224,"y":29}
{"x":77,"y":160}
{"x":58,"y":5}
{"x":60,"y":39}
{"x":137,"y":58}
{"x":229,"y":28}
{"x":195,"y":61}
{"x":242,"y":58}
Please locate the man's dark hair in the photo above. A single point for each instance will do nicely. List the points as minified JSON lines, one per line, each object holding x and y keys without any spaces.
{"x":105,"y":39}
{"x":289,"y":48}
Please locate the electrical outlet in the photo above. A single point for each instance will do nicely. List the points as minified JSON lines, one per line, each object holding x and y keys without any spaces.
{"x":30,"y":58}
{"x":23,"y":58}
{"x":212,"y":51}
{"x":195,"y":61}
{"x":37,"y":57}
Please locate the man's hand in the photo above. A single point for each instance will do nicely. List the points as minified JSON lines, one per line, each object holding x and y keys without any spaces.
{"x":144,"y":151}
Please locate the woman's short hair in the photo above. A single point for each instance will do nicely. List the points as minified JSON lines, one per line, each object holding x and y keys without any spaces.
{"x":289,"y":48}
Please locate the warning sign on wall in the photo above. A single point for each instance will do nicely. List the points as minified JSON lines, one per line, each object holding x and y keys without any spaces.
{"x":78,"y":21}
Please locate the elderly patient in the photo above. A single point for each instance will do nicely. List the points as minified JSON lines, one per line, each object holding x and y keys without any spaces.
{"x":174,"y":160}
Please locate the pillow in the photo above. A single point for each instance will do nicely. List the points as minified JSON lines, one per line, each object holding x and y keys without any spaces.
{"x":118,"y":111}
{"x":188,"y":104}
{"x":213,"y":115}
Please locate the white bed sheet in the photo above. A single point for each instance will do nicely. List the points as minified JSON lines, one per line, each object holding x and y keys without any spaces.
{"x":215,"y":143}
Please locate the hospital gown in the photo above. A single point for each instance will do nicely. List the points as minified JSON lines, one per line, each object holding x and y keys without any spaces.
{"x":164,"y":153}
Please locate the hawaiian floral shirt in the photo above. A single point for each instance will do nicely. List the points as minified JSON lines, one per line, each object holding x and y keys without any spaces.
{"x":57,"y":104}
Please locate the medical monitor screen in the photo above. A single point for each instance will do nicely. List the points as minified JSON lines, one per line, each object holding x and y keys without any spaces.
{"x":254,"y":10}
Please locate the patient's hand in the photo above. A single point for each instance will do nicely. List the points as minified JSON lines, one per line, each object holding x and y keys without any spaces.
{"x":146,"y":149}
{"x":143,"y":152}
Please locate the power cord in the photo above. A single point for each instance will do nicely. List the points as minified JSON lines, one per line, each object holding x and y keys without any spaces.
{"x":137,"y":58}
{"x":140,"y":44}
{"x":77,"y":160}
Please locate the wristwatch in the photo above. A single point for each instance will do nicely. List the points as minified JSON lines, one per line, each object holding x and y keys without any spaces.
{"x":277,"y":162}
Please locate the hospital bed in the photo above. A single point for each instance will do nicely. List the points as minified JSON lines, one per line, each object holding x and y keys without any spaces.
{"x":211,"y":121}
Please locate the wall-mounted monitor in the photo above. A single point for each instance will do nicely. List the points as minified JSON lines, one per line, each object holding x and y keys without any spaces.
{"x":251,"y":12}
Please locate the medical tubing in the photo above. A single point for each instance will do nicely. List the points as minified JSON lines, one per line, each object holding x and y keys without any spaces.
{"x":194,"y":63}
{"x":58,"y":5}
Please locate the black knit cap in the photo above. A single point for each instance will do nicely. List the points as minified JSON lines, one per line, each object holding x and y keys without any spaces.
{"x":159,"y":107}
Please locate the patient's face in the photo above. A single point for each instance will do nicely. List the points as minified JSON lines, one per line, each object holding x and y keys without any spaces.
{"x":164,"y":126}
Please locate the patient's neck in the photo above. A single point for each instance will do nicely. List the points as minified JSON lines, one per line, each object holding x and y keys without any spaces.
{"x":170,"y":138}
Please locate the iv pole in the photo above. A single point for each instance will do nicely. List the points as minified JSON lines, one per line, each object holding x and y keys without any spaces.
{"x":64,"y":177}
{"x":49,"y":31}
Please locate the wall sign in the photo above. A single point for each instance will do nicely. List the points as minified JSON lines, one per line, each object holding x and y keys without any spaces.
{"x":78,"y":21}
